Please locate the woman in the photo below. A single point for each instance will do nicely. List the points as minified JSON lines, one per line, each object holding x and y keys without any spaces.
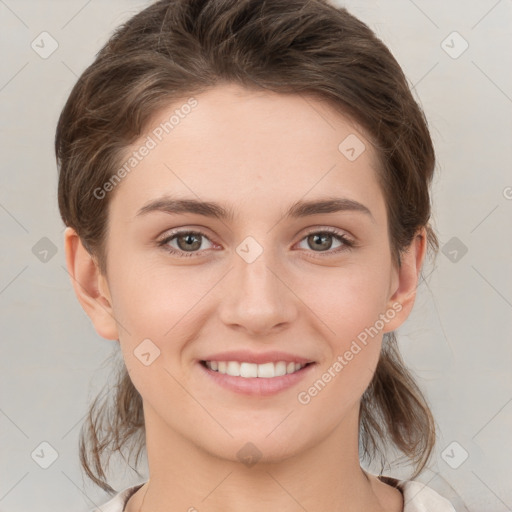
{"x":246,"y":190}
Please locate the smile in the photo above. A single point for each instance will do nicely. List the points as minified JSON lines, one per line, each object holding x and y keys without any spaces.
{"x":252,"y":370}
{"x":255,"y":374}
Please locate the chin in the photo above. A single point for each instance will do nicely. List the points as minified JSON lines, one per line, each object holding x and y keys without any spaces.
{"x":250,"y":447}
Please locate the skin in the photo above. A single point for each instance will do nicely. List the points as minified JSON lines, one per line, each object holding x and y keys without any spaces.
{"x":256,"y":153}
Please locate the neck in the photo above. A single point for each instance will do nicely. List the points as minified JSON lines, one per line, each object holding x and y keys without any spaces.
{"x":325,"y":476}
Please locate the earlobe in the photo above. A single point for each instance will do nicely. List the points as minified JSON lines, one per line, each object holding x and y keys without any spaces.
{"x":91,"y":287}
{"x":402,"y":300}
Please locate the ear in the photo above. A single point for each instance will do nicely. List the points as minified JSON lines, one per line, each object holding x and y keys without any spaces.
{"x":90,"y":285}
{"x":405,"y":281}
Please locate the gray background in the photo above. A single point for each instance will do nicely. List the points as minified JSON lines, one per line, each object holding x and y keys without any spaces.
{"x":457,"y":340}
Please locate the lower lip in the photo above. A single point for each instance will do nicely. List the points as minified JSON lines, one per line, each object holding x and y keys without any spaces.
{"x":256,"y":385}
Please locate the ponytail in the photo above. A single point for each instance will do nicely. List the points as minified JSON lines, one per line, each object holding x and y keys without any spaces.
{"x":393,"y":409}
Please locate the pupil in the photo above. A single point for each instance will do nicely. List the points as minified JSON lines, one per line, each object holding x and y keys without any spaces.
{"x":188,"y":243}
{"x":321,"y":238}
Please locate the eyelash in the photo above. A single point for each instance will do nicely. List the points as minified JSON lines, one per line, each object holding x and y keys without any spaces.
{"x":347,"y":243}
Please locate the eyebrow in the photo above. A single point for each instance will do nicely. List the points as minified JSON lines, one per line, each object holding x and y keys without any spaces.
{"x":211,"y":209}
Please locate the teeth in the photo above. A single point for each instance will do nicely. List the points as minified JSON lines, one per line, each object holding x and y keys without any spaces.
{"x":248,"y":370}
{"x":233,"y":368}
{"x":266,"y":371}
{"x":280,"y":369}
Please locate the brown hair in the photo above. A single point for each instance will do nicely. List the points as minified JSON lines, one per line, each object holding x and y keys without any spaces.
{"x":175,"y":49}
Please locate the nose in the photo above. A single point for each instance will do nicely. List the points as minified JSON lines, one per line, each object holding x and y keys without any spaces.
{"x":256,"y":298}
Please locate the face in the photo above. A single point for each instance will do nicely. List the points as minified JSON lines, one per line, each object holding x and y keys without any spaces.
{"x":263,"y":274}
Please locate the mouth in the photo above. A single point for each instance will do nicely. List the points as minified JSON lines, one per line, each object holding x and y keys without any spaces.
{"x":263,"y":379}
{"x":248,"y":370}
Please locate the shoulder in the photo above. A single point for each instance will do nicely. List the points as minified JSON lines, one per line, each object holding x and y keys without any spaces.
{"x":118,"y":502}
{"x":420,"y":498}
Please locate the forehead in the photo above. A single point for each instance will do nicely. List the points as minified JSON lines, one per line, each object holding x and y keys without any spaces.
{"x":251,"y":148}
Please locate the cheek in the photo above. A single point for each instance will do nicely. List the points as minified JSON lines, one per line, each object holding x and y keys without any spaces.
{"x":157,"y":306}
{"x":349,"y":302}
{"x":338,"y":387}
{"x":346,"y":300}
{"x":152,"y":301}
{"x":350,"y":308}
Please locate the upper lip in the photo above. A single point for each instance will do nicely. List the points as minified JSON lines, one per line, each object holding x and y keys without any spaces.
{"x":258,"y":358}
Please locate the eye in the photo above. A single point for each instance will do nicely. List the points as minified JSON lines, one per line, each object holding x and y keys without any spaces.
{"x":323,"y":240}
{"x":188,"y":243}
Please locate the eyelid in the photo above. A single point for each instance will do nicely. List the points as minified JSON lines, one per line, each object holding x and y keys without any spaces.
{"x":164,"y":239}
{"x":181,"y":231}
{"x":331,"y":230}
{"x":348,"y":241}
{"x":345,"y":239}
